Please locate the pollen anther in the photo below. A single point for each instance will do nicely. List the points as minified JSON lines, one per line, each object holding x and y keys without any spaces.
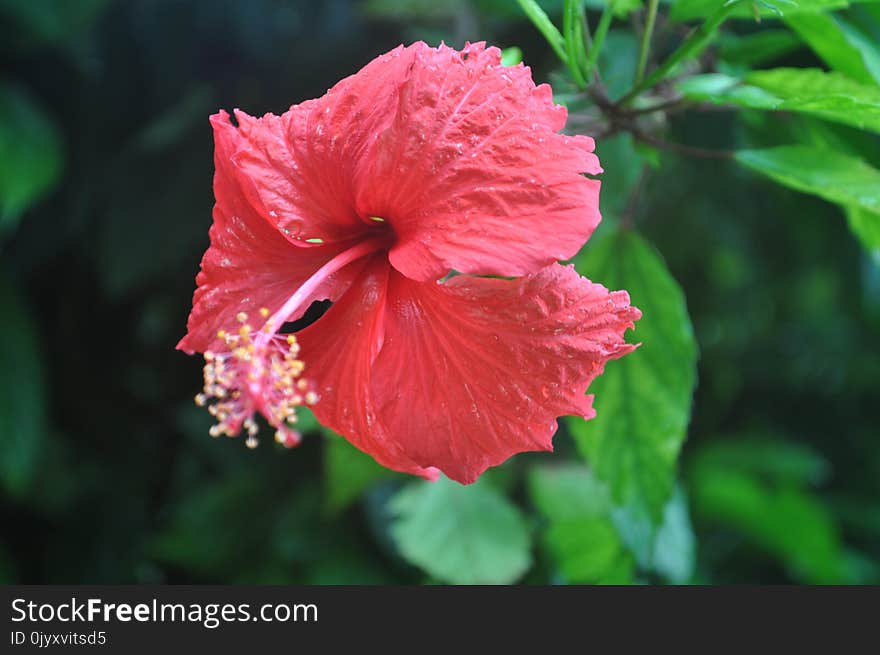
{"x":260,"y":374}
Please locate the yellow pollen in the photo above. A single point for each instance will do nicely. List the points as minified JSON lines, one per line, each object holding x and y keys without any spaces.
{"x":255,"y":374}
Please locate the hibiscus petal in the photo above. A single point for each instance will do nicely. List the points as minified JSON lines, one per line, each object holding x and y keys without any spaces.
{"x":339,"y":350}
{"x":304,"y":165}
{"x":472,"y":173}
{"x":460,"y":155}
{"x":249,"y":264}
{"x":475,"y":370}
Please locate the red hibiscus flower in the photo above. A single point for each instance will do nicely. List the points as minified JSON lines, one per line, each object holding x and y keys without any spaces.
{"x":428,"y":161}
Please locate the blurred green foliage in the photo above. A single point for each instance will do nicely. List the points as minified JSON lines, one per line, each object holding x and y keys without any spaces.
{"x":469,"y":535}
{"x":28,"y":138}
{"x":739,"y":443}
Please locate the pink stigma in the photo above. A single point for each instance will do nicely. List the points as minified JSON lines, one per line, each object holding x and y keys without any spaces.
{"x":261,"y":372}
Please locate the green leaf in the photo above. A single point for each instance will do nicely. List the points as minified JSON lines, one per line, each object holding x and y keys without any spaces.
{"x":866,"y":226}
{"x":822,"y":137}
{"x":831,"y":96}
{"x":684,"y":10}
{"x":620,"y":8}
{"x":567,"y":492}
{"x":347,"y":472}
{"x":579,"y":512}
{"x":617,"y":61}
{"x":461,"y":535}
{"x":643,"y":401}
{"x":769,"y":458}
{"x":841,"y":47}
{"x":306,"y":421}
{"x":724,"y":89}
{"x":789,"y":524}
{"x":863,"y":41}
{"x":756,"y":49}
{"x":585,"y":550}
{"x":621,"y":572}
{"x":30,"y":154}
{"x":620,"y":154}
{"x":580,"y":536}
{"x":773,"y":7}
{"x":836,"y":177}
{"x":23,"y":429}
{"x":674,"y":555}
{"x":511,"y":56}
{"x":808,"y":83}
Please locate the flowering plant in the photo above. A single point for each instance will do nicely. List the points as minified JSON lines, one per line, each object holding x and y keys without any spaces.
{"x":427,"y":161}
{"x":407,"y":278}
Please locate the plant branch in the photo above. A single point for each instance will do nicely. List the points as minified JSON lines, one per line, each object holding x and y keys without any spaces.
{"x":691,"y":47}
{"x":680,"y":148}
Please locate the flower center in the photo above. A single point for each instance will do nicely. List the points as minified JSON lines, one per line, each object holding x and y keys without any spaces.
{"x":295,"y":302}
{"x":255,"y":376}
{"x":261,"y":370}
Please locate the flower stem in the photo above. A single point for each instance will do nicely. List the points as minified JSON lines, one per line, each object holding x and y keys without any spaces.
{"x":645,"y":45}
{"x":599,"y":38}
{"x":540,"y":20}
{"x":573,"y":24}
{"x":692,"y":46}
{"x":341,"y":260}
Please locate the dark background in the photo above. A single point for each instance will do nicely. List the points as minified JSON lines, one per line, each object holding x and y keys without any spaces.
{"x":108,"y":473}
